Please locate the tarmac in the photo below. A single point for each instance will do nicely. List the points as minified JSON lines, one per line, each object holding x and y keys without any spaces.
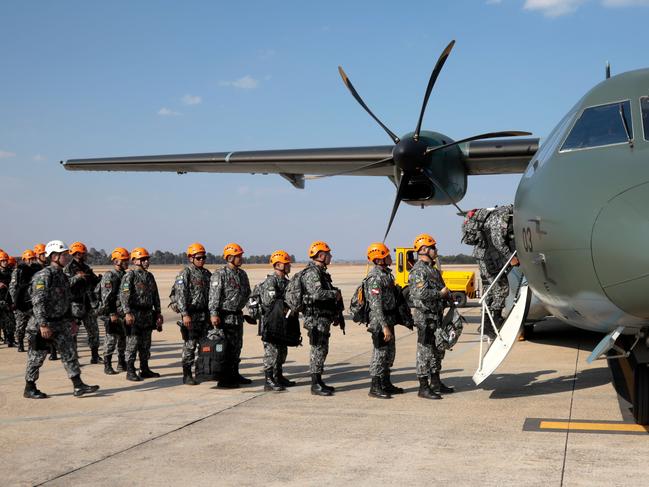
{"x":546,"y":417}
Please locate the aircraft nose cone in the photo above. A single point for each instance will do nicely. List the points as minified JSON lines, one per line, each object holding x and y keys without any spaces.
{"x":620,"y":245}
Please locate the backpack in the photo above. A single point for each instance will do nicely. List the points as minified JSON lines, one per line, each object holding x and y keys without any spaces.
{"x":448,"y":333}
{"x":173,"y":298}
{"x":255,"y":308}
{"x":294,"y":294}
{"x":358,"y":308}
{"x":473,"y":228}
{"x":23,"y":292}
{"x":211,"y":356}
{"x":97,"y":306}
{"x":280,"y":329}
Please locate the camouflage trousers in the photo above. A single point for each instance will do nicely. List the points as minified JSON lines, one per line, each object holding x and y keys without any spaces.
{"x":193,"y":338}
{"x":234,"y":341}
{"x":319,"y":340}
{"x":138,"y":342}
{"x":64,"y":343}
{"x":22,"y":318}
{"x":7,"y":323}
{"x":274,"y":355}
{"x":89,"y":322}
{"x":496,"y":298}
{"x":429,"y":360}
{"x":382,"y":358}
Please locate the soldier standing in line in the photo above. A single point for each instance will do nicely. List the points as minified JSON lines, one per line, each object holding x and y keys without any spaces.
{"x":140,"y":303}
{"x":229,"y":293}
{"x":19,"y":289}
{"x":271,"y":289}
{"x":42,"y":263}
{"x":82,"y":282}
{"x":320,"y":313}
{"x":110,"y":311}
{"x":192,"y":294}
{"x":7,"y":319}
{"x":52,"y":321}
{"x":427,"y":294}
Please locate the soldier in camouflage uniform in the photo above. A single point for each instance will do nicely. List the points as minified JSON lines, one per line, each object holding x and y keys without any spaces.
{"x":140,"y":303}
{"x":427,"y":295}
{"x":19,"y":290}
{"x":82,"y":282}
{"x":52,"y":321}
{"x":271,"y":289}
{"x":7,"y":319}
{"x":42,"y":263}
{"x":192,"y":293}
{"x":322,"y":310}
{"x":229,"y":293}
{"x":110,"y":312}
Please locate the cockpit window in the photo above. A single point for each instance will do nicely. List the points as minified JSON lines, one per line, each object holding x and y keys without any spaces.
{"x":601,"y":125}
{"x":644,"y":106}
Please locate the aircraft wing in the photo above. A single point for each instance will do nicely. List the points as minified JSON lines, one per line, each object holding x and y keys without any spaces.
{"x":501,"y":156}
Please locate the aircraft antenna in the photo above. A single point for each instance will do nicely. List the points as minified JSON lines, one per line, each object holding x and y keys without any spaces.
{"x":608,"y":70}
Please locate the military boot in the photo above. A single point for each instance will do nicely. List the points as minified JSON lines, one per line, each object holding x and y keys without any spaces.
{"x":279,"y":376}
{"x":438,"y":386}
{"x":21,"y":345}
{"x":80,"y":388}
{"x":10,"y":341}
{"x":53,"y":355}
{"x":425,"y":391}
{"x":31,"y":392}
{"x":316,"y":386}
{"x":239,"y":378}
{"x":131,"y":373}
{"x":94,"y":357}
{"x":228,"y":381}
{"x":187,"y":375}
{"x":390,"y":387}
{"x":121,"y":362}
{"x":271,"y":384}
{"x":108,"y":365}
{"x":145,"y":371}
{"x":377,"y":390}
{"x":325,"y":386}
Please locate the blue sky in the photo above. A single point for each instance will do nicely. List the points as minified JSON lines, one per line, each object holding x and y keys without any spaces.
{"x":91,"y":79}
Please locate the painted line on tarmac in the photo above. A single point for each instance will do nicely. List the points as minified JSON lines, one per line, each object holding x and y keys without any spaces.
{"x":584,"y":426}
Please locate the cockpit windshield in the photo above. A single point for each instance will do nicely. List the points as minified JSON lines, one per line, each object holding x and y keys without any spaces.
{"x":644,"y":106}
{"x":601,"y":125}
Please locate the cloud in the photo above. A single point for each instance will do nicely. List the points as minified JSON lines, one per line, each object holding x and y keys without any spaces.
{"x":192,"y":99}
{"x":625,"y":3}
{"x":245,"y":83}
{"x":38,"y":157}
{"x":553,"y":8}
{"x":166,"y":112}
{"x":6,"y":154}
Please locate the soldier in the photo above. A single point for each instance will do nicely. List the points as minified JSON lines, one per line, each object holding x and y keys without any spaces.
{"x":82,"y":282}
{"x":19,"y":289}
{"x":380,"y":294}
{"x":7,"y":319}
{"x":271,"y":289}
{"x":324,"y":303}
{"x":427,"y":294}
{"x":110,"y":311}
{"x":41,"y":263}
{"x":140,"y":303}
{"x":52,"y":321}
{"x":229,"y":292}
{"x":192,"y":294}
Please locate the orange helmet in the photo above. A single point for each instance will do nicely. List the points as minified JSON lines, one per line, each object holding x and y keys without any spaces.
{"x":78,"y":248}
{"x":318,"y":246}
{"x":194,"y":249}
{"x":280,"y":257}
{"x":39,"y":249}
{"x":12,"y":261}
{"x":139,"y":253}
{"x":232,"y":249}
{"x":120,"y":253}
{"x":28,"y":254}
{"x":3,"y":255}
{"x":423,"y":240}
{"x":377,"y":250}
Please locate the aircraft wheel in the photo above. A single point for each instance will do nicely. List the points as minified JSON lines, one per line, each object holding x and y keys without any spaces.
{"x":641,"y":396}
{"x":459,"y":298}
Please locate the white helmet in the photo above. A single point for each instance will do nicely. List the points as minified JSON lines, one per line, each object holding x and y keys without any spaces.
{"x":55,"y":246}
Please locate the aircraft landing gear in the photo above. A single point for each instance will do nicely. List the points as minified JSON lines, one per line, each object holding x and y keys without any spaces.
{"x":641,"y":394}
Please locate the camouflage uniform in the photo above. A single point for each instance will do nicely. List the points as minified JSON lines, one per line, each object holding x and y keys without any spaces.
{"x":271,"y":289}
{"x":425,"y":283}
{"x":320,"y":313}
{"x":18,"y":278}
{"x":109,"y":304}
{"x":139,"y":296}
{"x":51,"y":298}
{"x":229,"y":293}
{"x":382,"y":302}
{"x":192,"y":295}
{"x":493,"y":257}
{"x":83,"y":288}
{"x":7,"y":319}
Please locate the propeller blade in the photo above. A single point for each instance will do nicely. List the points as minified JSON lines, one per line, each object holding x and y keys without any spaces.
{"x":383,"y":162}
{"x":433,"y":78}
{"x":400,"y":190}
{"x":441,"y":188}
{"x":358,"y":98}
{"x":489,"y":135}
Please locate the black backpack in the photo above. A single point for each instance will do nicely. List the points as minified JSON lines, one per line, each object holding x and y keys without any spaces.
{"x":211,"y":357}
{"x":23,"y":294}
{"x":279,"y":329}
{"x":358,"y":308}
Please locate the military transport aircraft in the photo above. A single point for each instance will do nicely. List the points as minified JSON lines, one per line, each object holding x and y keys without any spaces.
{"x":579,"y":216}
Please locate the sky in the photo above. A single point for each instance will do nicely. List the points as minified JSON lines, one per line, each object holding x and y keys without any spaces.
{"x":90,"y":79}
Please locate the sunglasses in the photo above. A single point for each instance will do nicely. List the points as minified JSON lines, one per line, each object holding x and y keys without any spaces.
{"x":200,"y":257}
{"x":145,"y":259}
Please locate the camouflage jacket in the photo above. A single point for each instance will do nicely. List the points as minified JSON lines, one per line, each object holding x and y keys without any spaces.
{"x":229,"y":290}
{"x":21,"y":279}
{"x":425,"y":283}
{"x":319,"y":291}
{"x":271,"y":289}
{"x":381,"y":299}
{"x":496,"y":253}
{"x":109,"y":299}
{"x":51,"y":296}
{"x":139,"y":292}
{"x":192,"y":290}
{"x":82,"y":287}
{"x":5,"y":278}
